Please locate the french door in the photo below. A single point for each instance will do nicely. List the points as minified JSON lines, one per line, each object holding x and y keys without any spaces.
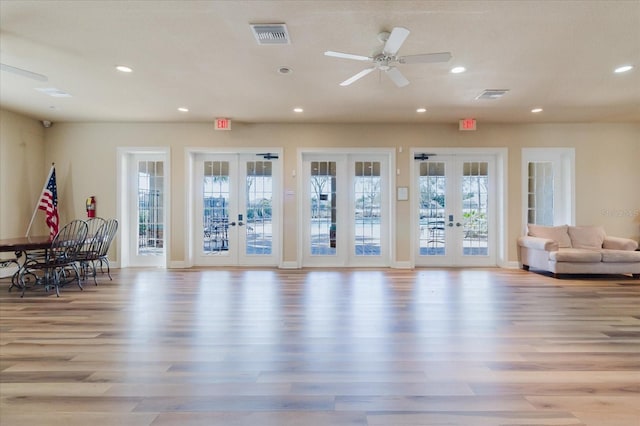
{"x":345,"y":210}
{"x":237,"y":207}
{"x":455,"y":223}
{"x":143,"y":198}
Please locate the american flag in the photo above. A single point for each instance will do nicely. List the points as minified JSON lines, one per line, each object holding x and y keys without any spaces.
{"x":49,"y":203}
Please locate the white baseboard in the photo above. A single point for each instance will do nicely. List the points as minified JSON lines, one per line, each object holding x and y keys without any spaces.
{"x":513,"y":264}
{"x":289,"y":265}
{"x":402,"y":265}
{"x":284,"y":265}
{"x":177,"y":264}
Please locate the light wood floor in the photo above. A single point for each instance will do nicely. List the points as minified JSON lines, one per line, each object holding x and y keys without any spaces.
{"x":323,"y":347}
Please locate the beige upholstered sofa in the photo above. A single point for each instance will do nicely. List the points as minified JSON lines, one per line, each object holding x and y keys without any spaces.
{"x":577,"y":250}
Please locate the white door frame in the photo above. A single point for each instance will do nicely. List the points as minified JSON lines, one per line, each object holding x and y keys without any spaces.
{"x":191,"y":155}
{"x":564,"y":198}
{"x":501,"y":156}
{"x":389,"y":153}
{"x":123,"y":204}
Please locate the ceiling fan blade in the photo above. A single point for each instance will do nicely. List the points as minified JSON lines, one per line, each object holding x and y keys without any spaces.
{"x":396,"y":76}
{"x":426,"y":58}
{"x":347,"y":56}
{"x":24,"y":73}
{"x":357,"y":76}
{"x":395,"y":40}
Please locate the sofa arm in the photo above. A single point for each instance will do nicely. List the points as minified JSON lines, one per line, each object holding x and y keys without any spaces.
{"x":537,"y":243}
{"x":617,"y":243}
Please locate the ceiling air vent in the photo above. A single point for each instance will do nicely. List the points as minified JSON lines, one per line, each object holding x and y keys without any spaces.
{"x":270,"y":33}
{"x":492,"y":94}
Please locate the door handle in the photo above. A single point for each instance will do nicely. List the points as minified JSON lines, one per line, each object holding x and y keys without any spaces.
{"x":450,"y":224}
{"x":458,"y":224}
{"x":232,"y":224}
{"x":240,"y":224}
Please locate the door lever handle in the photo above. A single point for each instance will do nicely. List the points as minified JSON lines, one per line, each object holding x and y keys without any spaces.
{"x":240,"y":224}
{"x":232,"y":224}
{"x":458,"y":224}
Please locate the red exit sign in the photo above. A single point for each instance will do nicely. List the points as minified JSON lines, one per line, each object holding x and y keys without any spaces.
{"x":468,"y":124}
{"x":223,"y":124}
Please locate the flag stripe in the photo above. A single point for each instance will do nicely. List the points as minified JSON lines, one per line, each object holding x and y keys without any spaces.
{"x":49,"y":204}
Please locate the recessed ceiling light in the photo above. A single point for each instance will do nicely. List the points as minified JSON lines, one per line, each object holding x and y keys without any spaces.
{"x":123,"y":68}
{"x":183,"y":109}
{"x":536,"y":110}
{"x":421,"y":110}
{"x":298,"y":110}
{"x":458,"y":70}
{"x":623,"y":68}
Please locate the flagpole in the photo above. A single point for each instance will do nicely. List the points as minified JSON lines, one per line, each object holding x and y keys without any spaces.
{"x":46,"y":181}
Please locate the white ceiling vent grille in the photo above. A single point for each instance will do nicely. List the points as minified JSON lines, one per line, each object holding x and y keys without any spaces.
{"x":492,"y":94}
{"x":271,"y":33}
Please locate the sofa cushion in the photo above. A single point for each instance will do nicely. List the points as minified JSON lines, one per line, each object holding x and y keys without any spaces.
{"x":620,"y":256}
{"x":575,"y":255}
{"x":587,"y":237}
{"x":617,"y":243}
{"x":555,"y":233}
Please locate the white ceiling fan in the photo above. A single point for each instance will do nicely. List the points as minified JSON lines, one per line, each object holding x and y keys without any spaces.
{"x":384,"y":60}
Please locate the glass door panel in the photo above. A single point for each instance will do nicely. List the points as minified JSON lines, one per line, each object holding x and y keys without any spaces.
{"x":367,"y":208}
{"x":150,"y":208}
{"x":259,"y":208}
{"x":323,"y":223}
{"x":475,"y":208}
{"x":432,"y":184}
{"x":540,"y":193}
{"x":215,"y":208}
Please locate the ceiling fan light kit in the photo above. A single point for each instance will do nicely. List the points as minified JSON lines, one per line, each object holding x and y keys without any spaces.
{"x":385,"y":61}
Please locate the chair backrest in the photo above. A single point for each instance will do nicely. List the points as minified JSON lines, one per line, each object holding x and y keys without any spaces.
{"x":94,"y":224}
{"x":111,"y":228}
{"x":69,"y":240}
{"x":96,"y":234}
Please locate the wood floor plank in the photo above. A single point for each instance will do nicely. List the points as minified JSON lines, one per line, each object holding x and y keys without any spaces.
{"x":77,"y":418}
{"x":478,"y":418}
{"x":308,"y":418}
{"x":352,"y":347}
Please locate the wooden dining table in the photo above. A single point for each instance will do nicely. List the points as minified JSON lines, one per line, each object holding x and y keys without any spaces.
{"x":20,"y":246}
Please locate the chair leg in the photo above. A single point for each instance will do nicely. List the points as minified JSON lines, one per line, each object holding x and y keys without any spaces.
{"x":94,"y":272}
{"x":106,"y":261}
{"x":109,"y":270}
{"x":75,"y":269}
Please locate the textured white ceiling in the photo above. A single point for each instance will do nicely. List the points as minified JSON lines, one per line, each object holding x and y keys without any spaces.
{"x":558,"y":55}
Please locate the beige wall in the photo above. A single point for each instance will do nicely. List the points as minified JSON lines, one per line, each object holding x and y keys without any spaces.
{"x":22,"y":173}
{"x":607,"y":158}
